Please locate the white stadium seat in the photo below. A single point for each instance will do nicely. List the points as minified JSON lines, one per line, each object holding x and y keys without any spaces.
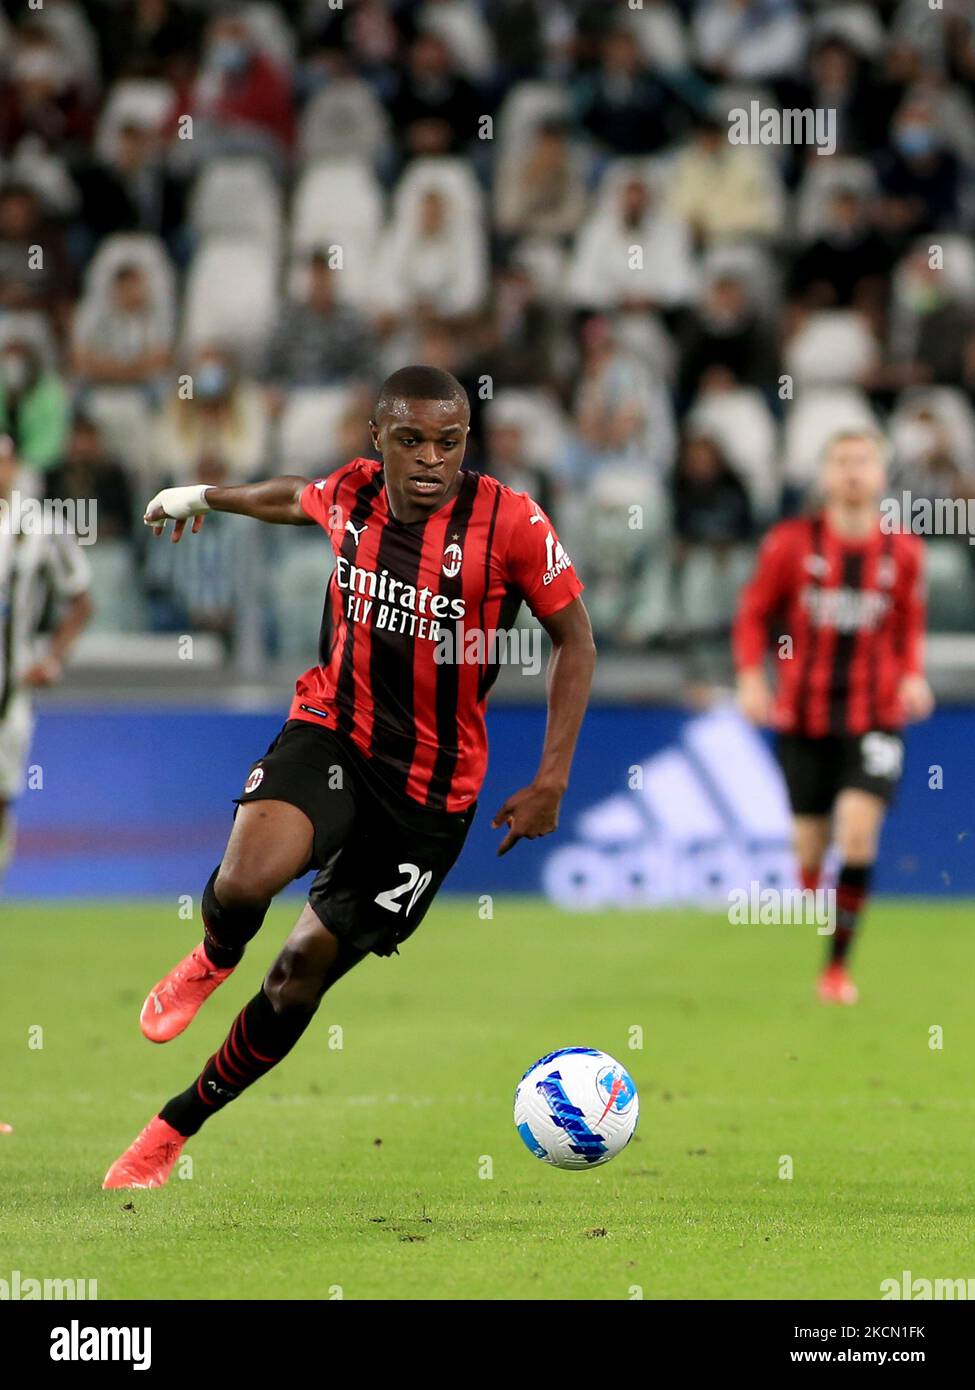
{"x":237,"y":197}
{"x":231,"y":296}
{"x":819,"y":413}
{"x":340,"y":203}
{"x":833,"y":347}
{"x":309,"y":423}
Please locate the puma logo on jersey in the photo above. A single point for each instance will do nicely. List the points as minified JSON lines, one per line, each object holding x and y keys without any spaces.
{"x":556,"y":559}
{"x":356,"y":532}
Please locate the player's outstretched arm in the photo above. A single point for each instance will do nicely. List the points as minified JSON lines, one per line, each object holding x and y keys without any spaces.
{"x":534,"y":810}
{"x":277,"y":501}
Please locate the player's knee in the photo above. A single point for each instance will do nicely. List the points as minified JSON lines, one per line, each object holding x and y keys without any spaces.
{"x":294,"y":980}
{"x":857,"y":847}
{"x":856,"y":839}
{"x":237,"y":885}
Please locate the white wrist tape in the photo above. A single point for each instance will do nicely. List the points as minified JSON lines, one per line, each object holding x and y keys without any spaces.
{"x":179,"y":503}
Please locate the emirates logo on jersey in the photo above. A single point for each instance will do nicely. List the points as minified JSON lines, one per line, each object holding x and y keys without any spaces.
{"x":848,"y":610}
{"x":452,"y":559}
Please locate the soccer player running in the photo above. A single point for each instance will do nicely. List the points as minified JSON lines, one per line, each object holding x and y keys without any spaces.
{"x":37,"y":568}
{"x":850,"y":674}
{"x":373,"y":780}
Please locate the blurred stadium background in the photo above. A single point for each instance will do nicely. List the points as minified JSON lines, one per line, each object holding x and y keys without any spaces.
{"x":250,"y":214}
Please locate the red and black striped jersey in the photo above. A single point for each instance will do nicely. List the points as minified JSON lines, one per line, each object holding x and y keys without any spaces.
{"x":409,"y":642}
{"x":854,"y":614}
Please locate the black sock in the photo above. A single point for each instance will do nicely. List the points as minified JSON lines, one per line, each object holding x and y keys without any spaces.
{"x":227,"y":930}
{"x":852,"y":888}
{"x":258,"y":1040}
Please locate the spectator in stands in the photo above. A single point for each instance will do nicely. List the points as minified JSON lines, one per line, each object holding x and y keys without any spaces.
{"x":711,"y":505}
{"x":626,"y":109}
{"x":541,"y":190}
{"x":241,"y":95}
{"x":431,"y":260}
{"x":838,"y":80}
{"x":40,"y":95}
{"x":132,"y":190}
{"x":126,"y":340}
{"x":435,"y":110}
{"x":722,"y":191}
{"x":726,"y":330}
{"x":848,"y":264}
{"x":630,"y":253}
{"x":34,"y":405}
{"x":317,"y":341}
{"x":146,"y":36}
{"x":508,"y":457}
{"x":343,"y":118}
{"x":934,"y":328}
{"x":219,"y":417}
{"x":527,"y":340}
{"x":86,"y":470}
{"x":623,"y":416}
{"x":30,"y":279}
{"x":201,"y":590}
{"x":919,"y":177}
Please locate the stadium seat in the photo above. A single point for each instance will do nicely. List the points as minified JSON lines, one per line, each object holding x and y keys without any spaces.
{"x":125,"y":421}
{"x":951,"y":585}
{"x":339,"y":203}
{"x":231,"y":296}
{"x":706,"y":588}
{"x":271,"y":32}
{"x":538,"y":414}
{"x":451,"y":177}
{"x":832,"y":347}
{"x":237,"y":197}
{"x":822,"y":179}
{"x":749,"y":262}
{"x":948,"y":406}
{"x":132,"y":248}
{"x":527,"y":106}
{"x":740,"y":422}
{"x":344,"y":121}
{"x":140,"y":101}
{"x":116,"y":591}
{"x":818,"y":413}
{"x":309,"y":423}
{"x":302,"y":563}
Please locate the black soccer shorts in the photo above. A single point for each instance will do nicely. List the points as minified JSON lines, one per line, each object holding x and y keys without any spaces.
{"x":381,"y":857}
{"x":816,"y":770}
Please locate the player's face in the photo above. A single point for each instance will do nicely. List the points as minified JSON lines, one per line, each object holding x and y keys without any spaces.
{"x":421,"y":444}
{"x":854,"y":473}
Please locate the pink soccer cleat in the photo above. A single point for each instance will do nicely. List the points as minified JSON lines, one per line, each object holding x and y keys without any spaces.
{"x":171,"y":1006}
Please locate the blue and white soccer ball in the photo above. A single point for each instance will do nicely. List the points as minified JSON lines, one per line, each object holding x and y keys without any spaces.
{"x":576,"y":1108}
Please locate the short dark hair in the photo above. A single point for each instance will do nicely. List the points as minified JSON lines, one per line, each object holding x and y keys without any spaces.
{"x":419,"y":384}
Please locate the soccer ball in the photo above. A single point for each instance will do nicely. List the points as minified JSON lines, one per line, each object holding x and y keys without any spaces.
{"x":576,"y":1108}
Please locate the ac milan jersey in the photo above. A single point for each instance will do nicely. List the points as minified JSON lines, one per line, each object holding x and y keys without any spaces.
{"x":408,"y":649}
{"x":854,"y":614}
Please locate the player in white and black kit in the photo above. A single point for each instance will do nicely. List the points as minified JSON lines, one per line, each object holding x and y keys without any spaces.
{"x":36,"y":569}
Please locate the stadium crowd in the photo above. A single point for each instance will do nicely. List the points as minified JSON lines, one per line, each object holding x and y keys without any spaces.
{"x":220,"y":226}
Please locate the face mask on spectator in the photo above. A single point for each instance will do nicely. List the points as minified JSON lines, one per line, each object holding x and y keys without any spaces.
{"x":212,"y":381}
{"x":229,"y":55}
{"x":915,"y":140}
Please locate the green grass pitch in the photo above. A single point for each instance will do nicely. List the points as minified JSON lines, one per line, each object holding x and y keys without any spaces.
{"x":362,"y":1171}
